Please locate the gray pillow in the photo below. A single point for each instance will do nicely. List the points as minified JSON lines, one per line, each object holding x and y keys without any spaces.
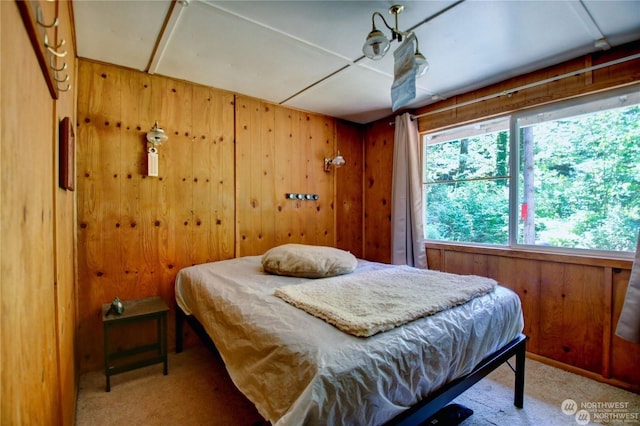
{"x":300,"y":260}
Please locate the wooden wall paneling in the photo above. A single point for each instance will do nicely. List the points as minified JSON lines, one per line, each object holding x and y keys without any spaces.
{"x":243,"y":156}
{"x":212,"y":142}
{"x":484,"y":265}
{"x":65,"y":232}
{"x":583,"y":317}
{"x":137,"y":238}
{"x":254,"y":153}
{"x":287,"y":217}
{"x":177,"y":181}
{"x":319,"y":216}
{"x":523,"y":276}
{"x":434,"y":259}
{"x":458,"y":263}
{"x":176,"y":169}
{"x":222,"y":209}
{"x":98,"y":161}
{"x":607,"y":316}
{"x":280,"y":151}
{"x":349,"y":197}
{"x":157,"y":191}
{"x":133,"y":232}
{"x":377,"y":191}
{"x":625,"y":356}
{"x":204,"y":150}
{"x":142,"y":233}
{"x":571,"y":315}
{"x":551,"y":304}
{"x":302,"y":151}
{"x":467,"y":263}
{"x":295,"y":181}
{"x":263,"y":201}
{"x":29,"y":376}
{"x":622,"y":74}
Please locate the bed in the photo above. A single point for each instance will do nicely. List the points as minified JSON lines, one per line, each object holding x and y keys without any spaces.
{"x":298,"y":369}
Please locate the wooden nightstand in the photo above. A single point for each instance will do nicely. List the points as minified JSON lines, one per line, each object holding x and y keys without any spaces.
{"x":148,"y":309}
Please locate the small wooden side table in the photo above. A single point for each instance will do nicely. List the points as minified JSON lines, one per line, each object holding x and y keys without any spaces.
{"x":147,"y":309}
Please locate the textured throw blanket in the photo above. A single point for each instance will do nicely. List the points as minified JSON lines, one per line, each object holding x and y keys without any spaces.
{"x":371,"y":302}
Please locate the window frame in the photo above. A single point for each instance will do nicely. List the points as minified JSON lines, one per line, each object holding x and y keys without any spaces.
{"x":514,"y":173}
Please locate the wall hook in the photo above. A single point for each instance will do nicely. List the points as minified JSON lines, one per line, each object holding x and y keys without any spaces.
{"x":39,"y":19}
{"x":53,"y":67}
{"x":66,"y":89}
{"x":55,"y":77}
{"x":52,"y":49}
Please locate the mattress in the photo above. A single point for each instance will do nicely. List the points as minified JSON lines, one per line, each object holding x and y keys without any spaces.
{"x":297,"y":369}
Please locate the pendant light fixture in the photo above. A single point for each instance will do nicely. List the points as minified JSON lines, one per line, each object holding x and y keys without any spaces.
{"x":377,"y":44}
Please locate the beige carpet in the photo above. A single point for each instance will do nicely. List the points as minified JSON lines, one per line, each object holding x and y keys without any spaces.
{"x":198,"y":391}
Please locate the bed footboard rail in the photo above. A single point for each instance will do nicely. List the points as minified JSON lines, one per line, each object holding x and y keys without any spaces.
{"x":429,"y":406}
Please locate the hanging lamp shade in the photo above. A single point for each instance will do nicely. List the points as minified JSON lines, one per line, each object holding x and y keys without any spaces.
{"x":421,"y":63}
{"x":156,"y":136}
{"x":376,"y":45}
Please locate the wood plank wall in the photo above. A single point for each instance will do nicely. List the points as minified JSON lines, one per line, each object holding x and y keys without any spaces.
{"x":349,"y":181}
{"x":571,"y":305}
{"x":38,"y":378}
{"x":280,"y":151}
{"x":224,"y":173}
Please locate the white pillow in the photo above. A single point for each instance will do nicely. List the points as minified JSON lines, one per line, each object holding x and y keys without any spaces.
{"x":299,"y":260}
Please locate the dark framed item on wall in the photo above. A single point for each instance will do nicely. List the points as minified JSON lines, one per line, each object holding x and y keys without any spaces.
{"x":67,"y":176}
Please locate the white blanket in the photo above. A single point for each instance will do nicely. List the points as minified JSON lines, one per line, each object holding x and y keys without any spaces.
{"x":299,"y":370}
{"x":371,"y":302}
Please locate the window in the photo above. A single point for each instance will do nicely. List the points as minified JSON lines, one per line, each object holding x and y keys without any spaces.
{"x":565,"y":177}
{"x":466,"y":183}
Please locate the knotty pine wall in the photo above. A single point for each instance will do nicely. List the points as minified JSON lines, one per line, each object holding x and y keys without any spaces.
{"x":224,"y":173}
{"x":38,"y":376}
{"x":571,"y":304}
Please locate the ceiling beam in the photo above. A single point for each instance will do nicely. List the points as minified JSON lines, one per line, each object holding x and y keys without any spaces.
{"x":168,"y":27}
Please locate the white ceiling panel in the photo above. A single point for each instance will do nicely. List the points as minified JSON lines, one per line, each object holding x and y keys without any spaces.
{"x":338,"y":94}
{"x":118,"y":32}
{"x":237,"y":55}
{"x":307,"y":54}
{"x":617,"y":20}
{"x":343,"y":39}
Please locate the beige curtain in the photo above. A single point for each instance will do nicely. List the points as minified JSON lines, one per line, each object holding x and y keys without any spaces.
{"x":629,"y":322}
{"x":407,"y":235}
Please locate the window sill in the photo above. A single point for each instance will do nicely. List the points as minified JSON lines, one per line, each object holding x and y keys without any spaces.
{"x":623,"y":261}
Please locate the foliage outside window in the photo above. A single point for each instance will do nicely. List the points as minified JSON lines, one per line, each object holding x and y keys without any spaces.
{"x":573,"y":171}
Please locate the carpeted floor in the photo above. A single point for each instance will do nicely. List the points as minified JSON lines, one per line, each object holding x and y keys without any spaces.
{"x":198,"y":391}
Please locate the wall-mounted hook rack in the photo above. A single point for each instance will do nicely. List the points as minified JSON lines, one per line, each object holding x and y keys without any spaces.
{"x":302,"y":197}
{"x":33,"y":17}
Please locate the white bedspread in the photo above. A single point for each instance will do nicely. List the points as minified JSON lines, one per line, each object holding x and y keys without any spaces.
{"x":297,"y":369}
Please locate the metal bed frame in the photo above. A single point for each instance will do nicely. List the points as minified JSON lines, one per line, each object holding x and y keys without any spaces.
{"x":427,"y":407}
